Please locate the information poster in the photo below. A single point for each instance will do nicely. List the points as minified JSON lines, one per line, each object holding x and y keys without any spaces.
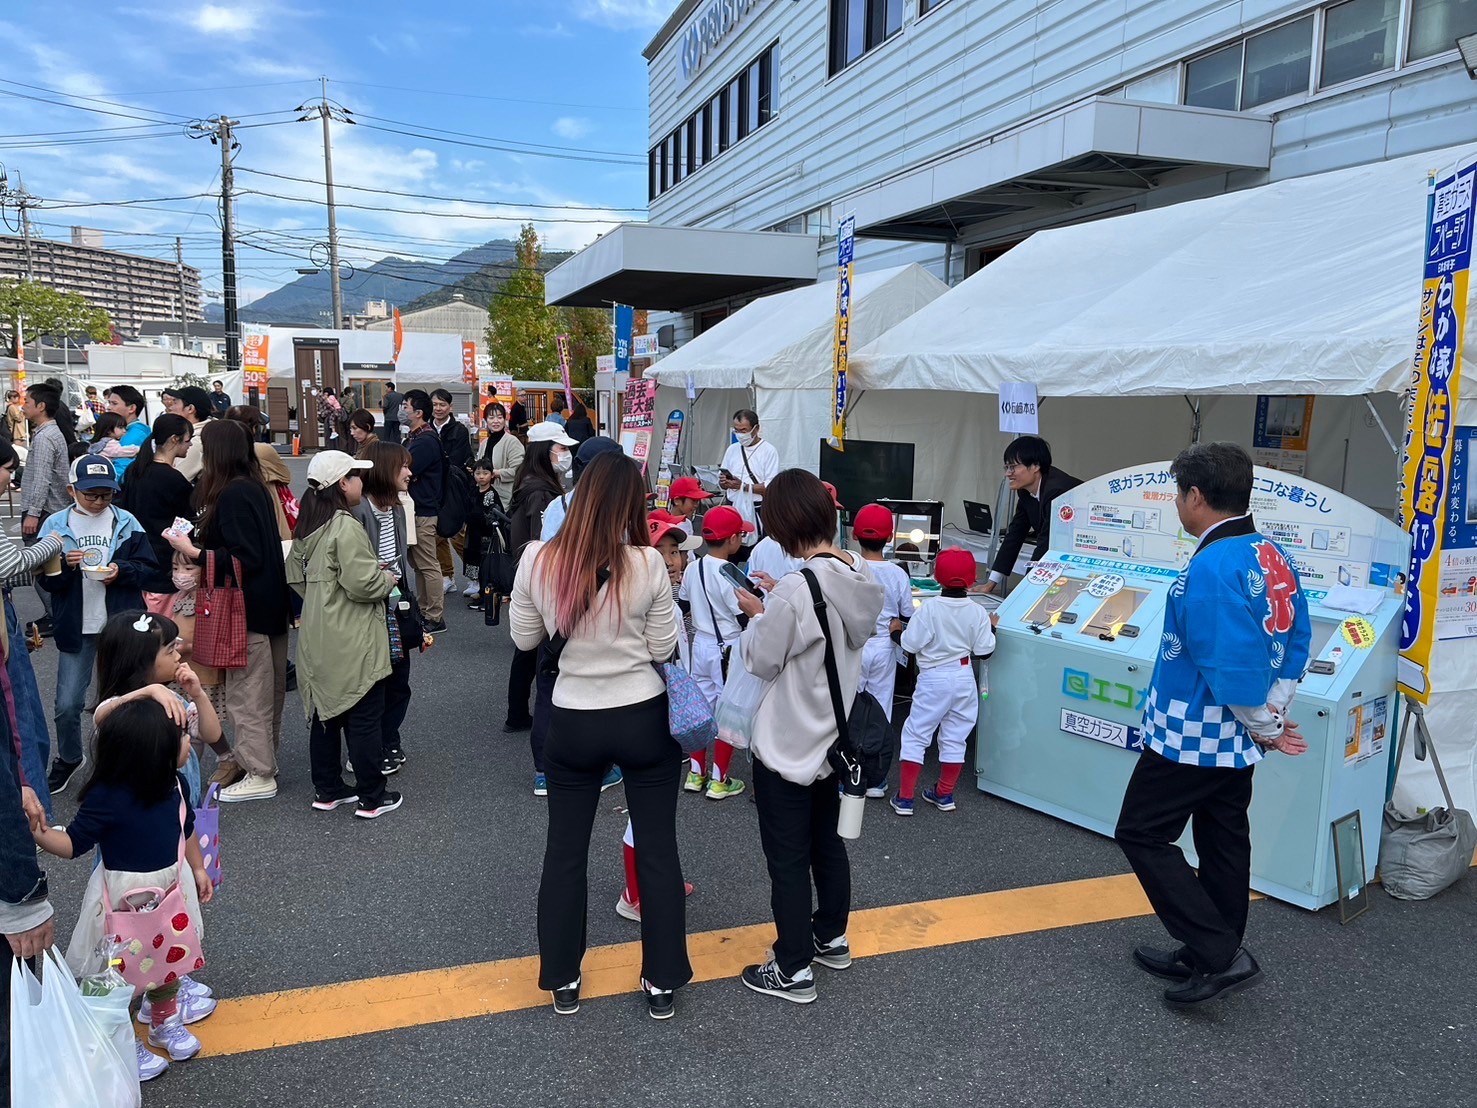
{"x":1280,"y":438}
{"x":1456,"y":605}
{"x":254,"y":348}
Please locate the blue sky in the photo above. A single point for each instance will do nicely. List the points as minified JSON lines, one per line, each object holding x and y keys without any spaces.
{"x":562,"y":74}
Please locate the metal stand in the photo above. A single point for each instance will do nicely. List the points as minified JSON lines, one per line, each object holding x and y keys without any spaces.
{"x":1416,"y":711}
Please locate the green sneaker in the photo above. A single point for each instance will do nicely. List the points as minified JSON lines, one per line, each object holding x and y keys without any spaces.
{"x":721,"y":790}
{"x":694,"y":783}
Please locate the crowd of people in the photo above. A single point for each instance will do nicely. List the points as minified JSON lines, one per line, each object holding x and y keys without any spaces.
{"x":175,"y":558}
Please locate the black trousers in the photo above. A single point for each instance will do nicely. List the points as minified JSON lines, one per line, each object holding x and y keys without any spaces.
{"x":583,"y":745}
{"x":390,"y":431}
{"x":397,"y":703}
{"x":361,"y":727}
{"x":1205,"y":912}
{"x":797,"y":828}
{"x":520,"y":684}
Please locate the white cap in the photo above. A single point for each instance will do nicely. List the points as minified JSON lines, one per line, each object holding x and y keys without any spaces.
{"x":550,"y":432}
{"x":329,"y":467}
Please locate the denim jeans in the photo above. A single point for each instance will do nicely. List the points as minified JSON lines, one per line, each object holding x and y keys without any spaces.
{"x":73,"y":679}
{"x":30,"y":716}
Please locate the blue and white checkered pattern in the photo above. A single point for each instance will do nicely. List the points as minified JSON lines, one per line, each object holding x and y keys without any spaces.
{"x":1211,"y":737}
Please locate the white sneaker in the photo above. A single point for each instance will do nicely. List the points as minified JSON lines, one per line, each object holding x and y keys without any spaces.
{"x":472,"y":590}
{"x":192,"y":1007}
{"x":150,"y":1065}
{"x":877,"y":792}
{"x":253,"y":786}
{"x":172,"y":1037}
{"x":448,"y":583}
{"x":626,"y":910}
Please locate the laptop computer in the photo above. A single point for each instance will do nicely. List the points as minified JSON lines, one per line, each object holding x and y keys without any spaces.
{"x":978,"y":516}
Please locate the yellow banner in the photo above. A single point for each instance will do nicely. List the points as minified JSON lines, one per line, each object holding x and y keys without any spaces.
{"x":845,"y":252}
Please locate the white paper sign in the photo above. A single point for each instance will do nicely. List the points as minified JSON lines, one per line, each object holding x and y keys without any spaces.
{"x":1018,"y":414}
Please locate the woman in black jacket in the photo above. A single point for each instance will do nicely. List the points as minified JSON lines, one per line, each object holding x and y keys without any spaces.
{"x":157,"y":494}
{"x":539,"y":482}
{"x":579,"y":426}
{"x":239,"y":520}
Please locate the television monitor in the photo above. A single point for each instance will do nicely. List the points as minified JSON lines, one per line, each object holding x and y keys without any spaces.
{"x":866,"y":472}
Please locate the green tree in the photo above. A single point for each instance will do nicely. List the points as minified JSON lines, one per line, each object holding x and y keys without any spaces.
{"x":522,"y":333}
{"x":47,"y":313}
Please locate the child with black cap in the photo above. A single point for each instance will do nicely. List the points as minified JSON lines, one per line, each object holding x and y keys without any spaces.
{"x":943,"y":634}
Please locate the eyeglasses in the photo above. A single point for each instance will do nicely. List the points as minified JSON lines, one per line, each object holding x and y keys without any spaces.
{"x":1011,"y":467}
{"x":96,"y":496}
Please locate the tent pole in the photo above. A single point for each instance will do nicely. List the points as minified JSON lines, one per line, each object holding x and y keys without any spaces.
{"x":1380,"y":423}
{"x":1194,"y":419}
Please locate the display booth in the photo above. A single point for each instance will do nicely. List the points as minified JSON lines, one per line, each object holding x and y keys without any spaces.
{"x":1079,"y":637}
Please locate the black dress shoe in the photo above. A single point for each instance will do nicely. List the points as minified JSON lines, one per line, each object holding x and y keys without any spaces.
{"x":660,"y":1003}
{"x":1172,"y":965}
{"x":513,"y":726}
{"x":1242,"y":973}
{"x":567,"y":999}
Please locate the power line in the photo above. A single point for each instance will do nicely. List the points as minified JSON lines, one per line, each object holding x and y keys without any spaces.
{"x":517,"y":142}
{"x":445,"y":199}
{"x":77,"y":107}
{"x":510,"y":217}
{"x":499,"y":99}
{"x":503,"y":148}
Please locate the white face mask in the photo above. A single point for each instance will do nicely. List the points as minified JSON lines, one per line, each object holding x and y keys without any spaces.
{"x":563,"y":461}
{"x":746,"y":440}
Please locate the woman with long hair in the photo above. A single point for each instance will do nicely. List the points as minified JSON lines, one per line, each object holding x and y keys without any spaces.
{"x":238,"y":520}
{"x":382,"y":511}
{"x":274,"y":469}
{"x":503,"y":449}
{"x":600,"y":589}
{"x":157,"y":494}
{"x":795,"y":728}
{"x":128,"y":402}
{"x":539,"y":481}
{"x":343,"y":645}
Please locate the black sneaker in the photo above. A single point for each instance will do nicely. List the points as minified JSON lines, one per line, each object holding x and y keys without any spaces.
{"x":387,"y":803}
{"x":396,"y":755}
{"x":768,"y":979}
{"x":63,"y":774}
{"x":567,"y":999}
{"x":328,"y":803}
{"x":513,"y":726}
{"x":434,"y":626}
{"x":836,"y":955}
{"x":660,"y":1003}
{"x":389,"y":766}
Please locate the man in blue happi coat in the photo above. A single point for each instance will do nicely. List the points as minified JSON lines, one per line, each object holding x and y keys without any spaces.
{"x":1236,"y":637}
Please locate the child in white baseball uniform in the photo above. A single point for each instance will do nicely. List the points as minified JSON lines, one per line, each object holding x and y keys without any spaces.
{"x":872,"y":529}
{"x":943,"y":634}
{"x":712,"y":602}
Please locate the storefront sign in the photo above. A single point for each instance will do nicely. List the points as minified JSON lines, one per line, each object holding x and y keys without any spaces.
{"x":1280,"y":438}
{"x":1019,"y":409}
{"x":706,"y":34}
{"x":845,"y":252}
{"x":254,"y":346}
{"x":1423,"y":503}
{"x":644,"y":346}
{"x":469,"y":364}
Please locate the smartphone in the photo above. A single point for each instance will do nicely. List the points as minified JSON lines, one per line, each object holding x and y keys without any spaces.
{"x":726,"y":475}
{"x":736,"y":578}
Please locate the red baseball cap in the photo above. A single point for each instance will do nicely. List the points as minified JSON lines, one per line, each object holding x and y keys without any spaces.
{"x":687,"y":488}
{"x":830,"y":488}
{"x":955,"y":568}
{"x":723,"y":523}
{"x":872,"y":522}
{"x":659,"y":526}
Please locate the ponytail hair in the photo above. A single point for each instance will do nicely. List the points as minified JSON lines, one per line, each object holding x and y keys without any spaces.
{"x":316,"y":507}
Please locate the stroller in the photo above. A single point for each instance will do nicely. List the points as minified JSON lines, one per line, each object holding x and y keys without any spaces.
{"x":496,"y":563}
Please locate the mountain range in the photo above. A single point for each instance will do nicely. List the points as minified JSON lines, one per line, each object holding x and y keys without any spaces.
{"x":404,"y":283}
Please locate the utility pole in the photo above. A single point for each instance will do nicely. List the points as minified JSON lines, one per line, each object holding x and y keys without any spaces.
{"x":218,"y":129}
{"x":184,"y":314}
{"x":328,"y":112}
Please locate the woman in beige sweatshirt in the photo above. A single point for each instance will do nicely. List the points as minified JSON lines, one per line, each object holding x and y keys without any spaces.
{"x":600,"y":587}
{"x":795,"y":727}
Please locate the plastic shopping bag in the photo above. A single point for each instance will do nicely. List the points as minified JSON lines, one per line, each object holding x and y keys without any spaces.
{"x":60,"y":1055}
{"x":742,"y":695}
{"x":108,"y":996}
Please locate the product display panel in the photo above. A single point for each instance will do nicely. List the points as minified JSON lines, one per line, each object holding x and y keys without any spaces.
{"x":1081,"y":633}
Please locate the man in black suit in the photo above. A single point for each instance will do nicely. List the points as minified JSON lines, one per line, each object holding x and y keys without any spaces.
{"x":1028,"y":469}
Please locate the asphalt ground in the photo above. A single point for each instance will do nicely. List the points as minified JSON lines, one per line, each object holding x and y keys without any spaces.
{"x":1382,"y":1011}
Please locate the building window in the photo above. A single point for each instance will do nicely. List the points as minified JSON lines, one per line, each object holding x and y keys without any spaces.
{"x":1278,"y":63}
{"x":679,"y":159}
{"x":926,"y":6}
{"x":858,"y":26}
{"x":1214,"y":81}
{"x":710,"y":147}
{"x":653,"y":174}
{"x":725,"y":132}
{"x":1435,"y":25}
{"x":1359,"y":38}
{"x":691,"y":144}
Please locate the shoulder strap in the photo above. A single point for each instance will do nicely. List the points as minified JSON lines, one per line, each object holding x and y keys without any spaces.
{"x":558,"y":642}
{"x":702,"y":581}
{"x":833,"y":677}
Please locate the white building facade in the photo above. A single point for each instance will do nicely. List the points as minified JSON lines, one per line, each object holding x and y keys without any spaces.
{"x":953,"y":129}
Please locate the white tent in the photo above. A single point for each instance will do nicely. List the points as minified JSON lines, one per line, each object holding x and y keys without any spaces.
{"x":1309,"y":285}
{"x":425,"y":359}
{"x":775,"y":356}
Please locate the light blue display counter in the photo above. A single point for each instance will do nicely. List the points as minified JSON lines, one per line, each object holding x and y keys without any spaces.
{"x":1079,"y":636}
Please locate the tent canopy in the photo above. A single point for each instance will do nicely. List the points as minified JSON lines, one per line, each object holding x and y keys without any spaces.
{"x":786,"y":340}
{"x":1308,"y":285}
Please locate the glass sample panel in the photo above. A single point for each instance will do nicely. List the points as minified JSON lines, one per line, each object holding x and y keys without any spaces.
{"x":1114,"y":612}
{"x":1056,"y":600}
{"x":1359,"y":38}
{"x":1277,"y":63}
{"x":1435,"y":25}
{"x":1214,"y":81}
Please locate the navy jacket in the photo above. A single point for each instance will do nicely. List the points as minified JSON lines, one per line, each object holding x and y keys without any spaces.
{"x":129,"y":551}
{"x":427,"y":471}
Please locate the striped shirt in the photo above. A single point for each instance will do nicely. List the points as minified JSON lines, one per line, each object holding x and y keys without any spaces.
{"x":385,"y":548}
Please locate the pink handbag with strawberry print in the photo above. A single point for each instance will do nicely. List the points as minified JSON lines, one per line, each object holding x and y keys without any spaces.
{"x":154,"y":930}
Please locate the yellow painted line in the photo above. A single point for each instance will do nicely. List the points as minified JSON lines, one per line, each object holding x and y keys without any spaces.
{"x":327,"y":1012}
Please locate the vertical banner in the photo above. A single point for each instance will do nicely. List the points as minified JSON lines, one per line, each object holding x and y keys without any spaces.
{"x":625,"y":322}
{"x":637,"y":417}
{"x":1279,"y":440}
{"x":254,"y":347}
{"x":1425,"y":477}
{"x":20,"y":359}
{"x":563,"y":341}
{"x":1456,"y":610}
{"x":399,"y":339}
{"x":845,"y":250}
{"x":469,"y":365}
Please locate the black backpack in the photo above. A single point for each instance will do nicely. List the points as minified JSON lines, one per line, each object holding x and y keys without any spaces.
{"x":459,"y":498}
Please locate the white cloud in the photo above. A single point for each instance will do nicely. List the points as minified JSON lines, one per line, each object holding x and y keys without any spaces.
{"x":541,"y":30}
{"x":572,"y":127}
{"x":626,"y":14}
{"x":217,"y":19}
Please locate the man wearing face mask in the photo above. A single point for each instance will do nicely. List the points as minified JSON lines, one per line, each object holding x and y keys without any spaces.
{"x":749,"y":464}
{"x":426,"y":491}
